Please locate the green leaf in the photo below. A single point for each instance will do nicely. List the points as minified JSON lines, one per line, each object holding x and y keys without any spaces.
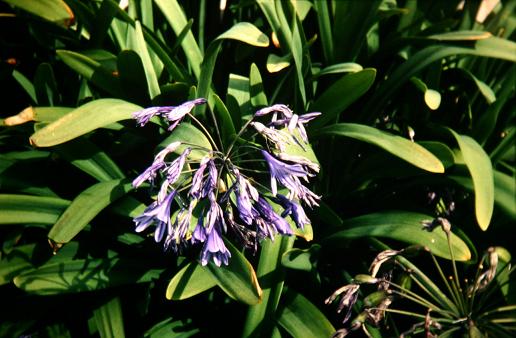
{"x":26,"y":85}
{"x":22,"y":209}
{"x":177,"y":20}
{"x":140,"y":47}
{"x":341,"y":95}
{"x":402,"y":226}
{"x":481,"y":170}
{"x":277,"y":63}
{"x":179,"y":328}
{"x":45,"y":85}
{"x":189,"y":281}
{"x":91,"y":70}
{"x":85,"y":207}
{"x":258,"y":98}
{"x":243,"y":32}
{"x":191,"y":137}
{"x":86,"y":156}
{"x":52,"y":10}
{"x":324,"y":22}
{"x":109,"y":319}
{"x":15,"y":262}
{"x":396,"y":145}
{"x":300,"y":259}
{"x":460,"y":36}
{"x":238,"y":279}
{"x":260,"y":317}
{"x":491,"y":47}
{"x":49,"y":114}
{"x":346,"y":67}
{"x":504,"y":193}
{"x":84,"y":275}
{"x":301,"y":318}
{"x":227,"y":127}
{"x":88,"y":117}
{"x":132,"y":77}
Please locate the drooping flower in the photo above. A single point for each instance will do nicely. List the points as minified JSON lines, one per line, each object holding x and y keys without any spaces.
{"x":157,"y":213}
{"x":172,"y":172}
{"x":197,"y":191}
{"x":176,"y":114}
{"x":214,"y":248}
{"x":288,"y":175}
{"x":277,"y":137}
{"x":245,"y":194}
{"x":277,"y":108}
{"x":306,"y":163}
{"x":173,"y":114}
{"x":295,"y":210}
{"x":272,"y":220}
{"x":347,"y":300}
{"x":179,"y":229}
{"x":159,"y":163}
{"x":297,"y":122}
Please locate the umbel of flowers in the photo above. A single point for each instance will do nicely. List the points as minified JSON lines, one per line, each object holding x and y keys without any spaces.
{"x":199,"y":201}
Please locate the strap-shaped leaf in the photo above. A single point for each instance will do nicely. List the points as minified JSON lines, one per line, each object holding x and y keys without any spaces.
{"x":109,"y":319}
{"x":88,"y":117}
{"x":85,"y":207}
{"x":396,"y":145}
{"x":340,"y":95}
{"x":84,"y":275}
{"x":238,"y":279}
{"x":190,"y":281}
{"x":405,"y":227}
{"x":301,"y":318}
{"x":23,"y":209}
{"x":481,"y":170}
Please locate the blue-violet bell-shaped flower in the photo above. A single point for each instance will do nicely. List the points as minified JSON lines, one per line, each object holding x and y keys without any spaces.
{"x":288,"y":175}
{"x":159,"y":163}
{"x":173,"y":114}
{"x":214,"y":248}
{"x":295,"y":210}
{"x":271,"y":218}
{"x":158,"y":213}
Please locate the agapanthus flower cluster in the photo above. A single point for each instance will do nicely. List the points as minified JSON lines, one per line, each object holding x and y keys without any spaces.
{"x":200,"y":201}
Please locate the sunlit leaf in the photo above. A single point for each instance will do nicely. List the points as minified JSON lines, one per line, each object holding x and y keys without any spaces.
{"x":88,"y":117}
{"x":396,"y":145}
{"x":402,"y":226}
{"x":85,"y":207}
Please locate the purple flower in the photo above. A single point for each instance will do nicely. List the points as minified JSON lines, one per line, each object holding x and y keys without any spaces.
{"x":245,"y":192}
{"x":159,"y":163}
{"x":197,"y":191}
{"x":296,"y":122}
{"x":173,"y":114}
{"x":158,"y":213}
{"x":177,"y":231}
{"x":279,"y":138}
{"x":176,"y":114}
{"x":172,"y":172}
{"x":199,"y":233}
{"x":269,"y":221}
{"x":214,"y":215}
{"x":295,"y":210}
{"x":288,"y":175}
{"x":214,"y":248}
{"x":277,"y":108}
